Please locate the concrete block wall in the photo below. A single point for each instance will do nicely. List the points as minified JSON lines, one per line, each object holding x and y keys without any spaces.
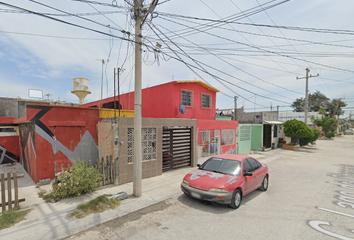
{"x":9,"y":107}
{"x":150,"y":168}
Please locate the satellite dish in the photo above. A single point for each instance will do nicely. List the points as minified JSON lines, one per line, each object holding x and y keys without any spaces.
{"x":182,"y":109}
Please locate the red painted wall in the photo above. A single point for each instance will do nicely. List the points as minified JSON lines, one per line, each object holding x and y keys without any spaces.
{"x":162,"y":101}
{"x":217,"y":125}
{"x":9,"y":144}
{"x":53,"y":135}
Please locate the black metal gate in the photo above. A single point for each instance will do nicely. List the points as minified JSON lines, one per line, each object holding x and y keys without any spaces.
{"x":176,"y":148}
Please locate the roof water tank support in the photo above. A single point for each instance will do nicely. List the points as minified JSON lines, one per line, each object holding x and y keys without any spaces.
{"x":80,"y":88}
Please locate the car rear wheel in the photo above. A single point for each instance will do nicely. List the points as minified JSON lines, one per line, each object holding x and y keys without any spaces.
{"x":236,"y":199}
{"x":265,"y":184}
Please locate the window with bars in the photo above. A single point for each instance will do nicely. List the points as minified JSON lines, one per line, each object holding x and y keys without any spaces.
{"x":206,"y":136}
{"x":186,"y":98}
{"x":148,"y":144}
{"x":206,"y":101}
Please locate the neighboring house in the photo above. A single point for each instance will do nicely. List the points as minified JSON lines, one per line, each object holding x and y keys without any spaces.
{"x":181,"y":137}
{"x":163,"y":101}
{"x":256,"y":129}
{"x":49,"y":135}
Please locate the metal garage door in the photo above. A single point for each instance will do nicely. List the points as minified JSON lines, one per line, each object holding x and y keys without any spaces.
{"x":176,"y":148}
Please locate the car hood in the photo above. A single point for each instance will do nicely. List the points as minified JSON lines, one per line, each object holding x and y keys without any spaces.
{"x":205,"y":180}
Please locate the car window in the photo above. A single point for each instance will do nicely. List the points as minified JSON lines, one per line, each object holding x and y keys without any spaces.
{"x":254,"y":163}
{"x":220,"y":165}
{"x":246,"y":166}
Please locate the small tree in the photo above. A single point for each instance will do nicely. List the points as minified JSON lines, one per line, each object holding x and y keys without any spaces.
{"x":328,"y":124}
{"x":297,"y":130}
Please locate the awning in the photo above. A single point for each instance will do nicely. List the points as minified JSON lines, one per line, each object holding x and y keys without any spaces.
{"x":273,"y":122}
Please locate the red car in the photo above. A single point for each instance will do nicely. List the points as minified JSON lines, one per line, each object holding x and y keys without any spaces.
{"x":226,"y":178}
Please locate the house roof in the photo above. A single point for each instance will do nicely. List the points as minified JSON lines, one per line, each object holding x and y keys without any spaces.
{"x":200,"y":83}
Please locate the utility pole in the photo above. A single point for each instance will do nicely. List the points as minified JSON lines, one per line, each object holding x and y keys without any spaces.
{"x":139,"y":15}
{"x":102,"y":80}
{"x":114,"y":92}
{"x":307,"y":91}
{"x":235,"y":110}
{"x":137,"y":167}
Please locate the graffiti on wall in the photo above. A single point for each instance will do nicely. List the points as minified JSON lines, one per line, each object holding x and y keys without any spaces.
{"x":28,"y":143}
{"x":43,"y":142}
{"x":6,"y":156}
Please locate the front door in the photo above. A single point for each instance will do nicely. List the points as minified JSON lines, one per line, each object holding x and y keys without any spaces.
{"x":267,"y":135}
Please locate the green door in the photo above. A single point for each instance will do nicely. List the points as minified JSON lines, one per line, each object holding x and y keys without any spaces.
{"x":244,"y":139}
{"x":257,"y":137}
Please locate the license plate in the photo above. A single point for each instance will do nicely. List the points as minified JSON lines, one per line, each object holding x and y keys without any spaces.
{"x":195,"y":195}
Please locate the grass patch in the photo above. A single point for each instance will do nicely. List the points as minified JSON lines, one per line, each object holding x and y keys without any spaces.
{"x":9,"y":218}
{"x":97,"y":205}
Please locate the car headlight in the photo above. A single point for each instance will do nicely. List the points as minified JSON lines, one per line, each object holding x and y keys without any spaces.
{"x":185,"y":182}
{"x":218,"y":190}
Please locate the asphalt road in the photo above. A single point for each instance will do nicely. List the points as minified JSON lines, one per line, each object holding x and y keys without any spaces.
{"x":310,"y":196}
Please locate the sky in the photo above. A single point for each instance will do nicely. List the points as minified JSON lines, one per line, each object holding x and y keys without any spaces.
{"x":252,"y":49}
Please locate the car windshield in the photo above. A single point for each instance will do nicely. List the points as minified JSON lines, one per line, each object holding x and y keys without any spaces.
{"x":220,"y":165}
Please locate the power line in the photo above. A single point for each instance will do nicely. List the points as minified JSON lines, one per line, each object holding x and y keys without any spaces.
{"x":198,"y":62}
{"x":68,"y":23}
{"x":239,"y":70}
{"x":264,"y":50}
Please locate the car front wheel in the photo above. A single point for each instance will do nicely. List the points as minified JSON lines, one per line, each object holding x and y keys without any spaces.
{"x":265,"y":184}
{"x":236,"y":199}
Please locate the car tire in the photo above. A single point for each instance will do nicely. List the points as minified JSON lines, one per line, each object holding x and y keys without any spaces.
{"x":265,"y":184}
{"x":236,"y":199}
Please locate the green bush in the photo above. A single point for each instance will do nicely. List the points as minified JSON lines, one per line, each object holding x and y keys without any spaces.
{"x":297,"y":130}
{"x":81,"y":179}
{"x":312,"y":139}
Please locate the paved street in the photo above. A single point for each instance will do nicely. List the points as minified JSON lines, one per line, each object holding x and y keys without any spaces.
{"x":311,"y":196}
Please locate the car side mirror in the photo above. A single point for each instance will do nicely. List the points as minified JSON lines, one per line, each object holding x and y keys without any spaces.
{"x":198,"y":165}
{"x":247,"y":174}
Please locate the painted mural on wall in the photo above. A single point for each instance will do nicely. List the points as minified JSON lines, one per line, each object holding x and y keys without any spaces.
{"x":28,"y":143}
{"x":56,"y":134}
{"x":6,"y":156}
{"x":9,"y":144}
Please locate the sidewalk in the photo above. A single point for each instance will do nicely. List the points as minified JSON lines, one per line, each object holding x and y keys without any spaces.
{"x":52,"y":221}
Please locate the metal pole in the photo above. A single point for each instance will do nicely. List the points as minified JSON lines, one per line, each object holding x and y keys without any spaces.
{"x":118,"y":94}
{"x":114,"y":99}
{"x":307,"y":94}
{"x":102,"y":80}
{"x":137,"y":167}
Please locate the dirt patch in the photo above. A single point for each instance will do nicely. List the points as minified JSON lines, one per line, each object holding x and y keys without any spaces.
{"x":119,"y":222}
